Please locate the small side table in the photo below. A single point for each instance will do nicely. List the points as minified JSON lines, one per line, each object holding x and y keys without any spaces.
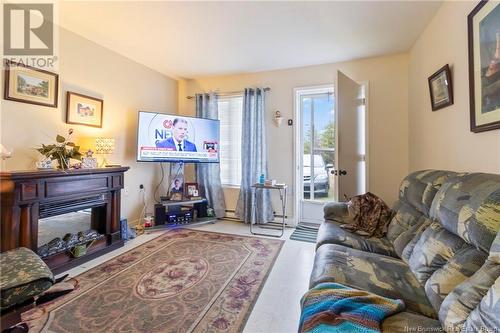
{"x":282,"y":190}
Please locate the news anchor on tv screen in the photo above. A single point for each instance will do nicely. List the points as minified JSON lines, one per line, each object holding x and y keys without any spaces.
{"x":177,"y":141}
{"x":173,"y":138}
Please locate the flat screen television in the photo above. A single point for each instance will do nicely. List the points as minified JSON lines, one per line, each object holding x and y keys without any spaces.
{"x":172,"y":138}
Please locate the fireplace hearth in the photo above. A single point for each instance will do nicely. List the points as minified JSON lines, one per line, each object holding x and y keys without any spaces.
{"x":68,"y":242}
{"x":28,"y":196}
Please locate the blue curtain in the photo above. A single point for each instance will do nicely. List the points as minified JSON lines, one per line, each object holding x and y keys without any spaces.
{"x":208,"y":174}
{"x":254,"y":159}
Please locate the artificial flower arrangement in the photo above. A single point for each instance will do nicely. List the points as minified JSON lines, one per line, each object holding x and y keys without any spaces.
{"x":62,"y":151}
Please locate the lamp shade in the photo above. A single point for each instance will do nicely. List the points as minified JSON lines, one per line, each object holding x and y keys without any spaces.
{"x":104,"y":145}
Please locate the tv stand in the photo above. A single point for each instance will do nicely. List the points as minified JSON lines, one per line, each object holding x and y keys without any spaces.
{"x":171,"y":213}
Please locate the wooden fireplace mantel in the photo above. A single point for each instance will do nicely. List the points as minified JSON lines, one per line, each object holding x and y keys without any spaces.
{"x":27,"y":196}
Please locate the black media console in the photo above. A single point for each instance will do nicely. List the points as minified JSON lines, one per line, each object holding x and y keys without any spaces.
{"x":172,"y":212}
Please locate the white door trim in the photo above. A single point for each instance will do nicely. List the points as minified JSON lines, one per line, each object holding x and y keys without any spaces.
{"x":297,"y":146}
{"x":366,"y":86}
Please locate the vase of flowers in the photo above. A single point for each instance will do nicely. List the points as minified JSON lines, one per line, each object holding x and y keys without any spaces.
{"x":62,"y":151}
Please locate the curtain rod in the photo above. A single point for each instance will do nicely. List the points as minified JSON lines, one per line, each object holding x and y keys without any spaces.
{"x":228,"y":93}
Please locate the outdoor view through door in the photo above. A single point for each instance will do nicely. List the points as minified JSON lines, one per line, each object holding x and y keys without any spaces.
{"x":315,"y":151}
{"x":318,"y":130}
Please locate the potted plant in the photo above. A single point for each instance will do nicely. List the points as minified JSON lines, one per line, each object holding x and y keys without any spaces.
{"x":62,"y":151}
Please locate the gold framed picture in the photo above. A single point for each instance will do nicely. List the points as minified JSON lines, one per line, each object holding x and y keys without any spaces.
{"x":30,"y":85}
{"x":83,"y":110}
{"x":484,"y":66}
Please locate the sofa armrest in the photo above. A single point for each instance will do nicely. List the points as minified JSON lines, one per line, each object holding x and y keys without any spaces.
{"x":336,"y":211}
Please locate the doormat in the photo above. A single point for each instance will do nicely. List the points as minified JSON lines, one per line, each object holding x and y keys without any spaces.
{"x":305,"y":232}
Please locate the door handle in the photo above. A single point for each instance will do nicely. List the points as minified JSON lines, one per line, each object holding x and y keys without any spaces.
{"x":339,"y":172}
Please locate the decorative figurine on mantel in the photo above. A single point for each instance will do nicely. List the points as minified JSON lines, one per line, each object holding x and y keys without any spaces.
{"x":44,"y":163}
{"x":89,"y":162}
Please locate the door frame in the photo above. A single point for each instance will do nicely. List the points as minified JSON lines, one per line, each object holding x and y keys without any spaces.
{"x":297,"y":143}
{"x":366,"y":85}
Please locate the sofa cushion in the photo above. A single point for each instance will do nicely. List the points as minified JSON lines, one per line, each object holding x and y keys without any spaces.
{"x":475,"y":302}
{"x":416,"y":194}
{"x":405,"y":217}
{"x":461,"y":266}
{"x":435,"y":247}
{"x":460,"y":303}
{"x":331,"y":233}
{"x":417,"y":232}
{"x":487,"y":313}
{"x":410,"y":322}
{"x":419,"y":188}
{"x":379,"y":274}
{"x":469,"y":206}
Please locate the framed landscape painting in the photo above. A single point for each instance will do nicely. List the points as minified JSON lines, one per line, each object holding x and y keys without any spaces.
{"x":83,"y":110}
{"x":484,"y":66}
{"x":30,"y":85}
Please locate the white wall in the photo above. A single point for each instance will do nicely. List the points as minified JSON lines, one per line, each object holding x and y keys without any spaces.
{"x":125,"y":87}
{"x":388,"y":127}
{"x":442,"y":139}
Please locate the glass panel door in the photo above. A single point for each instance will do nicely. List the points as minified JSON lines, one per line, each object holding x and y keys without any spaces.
{"x":318,"y":137}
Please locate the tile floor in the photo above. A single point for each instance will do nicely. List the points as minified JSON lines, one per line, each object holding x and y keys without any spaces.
{"x":277,"y":308}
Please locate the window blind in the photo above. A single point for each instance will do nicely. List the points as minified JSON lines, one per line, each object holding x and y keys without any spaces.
{"x":230,"y":116}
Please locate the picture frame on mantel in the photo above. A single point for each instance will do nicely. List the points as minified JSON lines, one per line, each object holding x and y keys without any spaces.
{"x":83,"y":110}
{"x":441,"y":88}
{"x":30,"y":85}
{"x":483,"y":25}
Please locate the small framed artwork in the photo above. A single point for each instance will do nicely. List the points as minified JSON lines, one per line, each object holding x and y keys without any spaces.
{"x":177,"y":188}
{"x":83,"y":110}
{"x":484,"y":66}
{"x":30,"y":85}
{"x":191,"y":190}
{"x":441,"y":88}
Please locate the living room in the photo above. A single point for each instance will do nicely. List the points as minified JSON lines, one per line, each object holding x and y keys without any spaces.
{"x":330,"y":102}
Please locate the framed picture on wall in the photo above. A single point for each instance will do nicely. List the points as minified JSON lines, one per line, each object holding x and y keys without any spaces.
{"x":484,"y":66}
{"x":441,"y":88}
{"x":83,"y":110}
{"x":30,"y":85}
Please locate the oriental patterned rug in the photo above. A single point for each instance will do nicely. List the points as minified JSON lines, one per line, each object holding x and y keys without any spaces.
{"x":183,"y":281}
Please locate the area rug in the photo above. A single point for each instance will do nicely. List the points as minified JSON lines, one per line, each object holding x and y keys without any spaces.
{"x":183,"y":281}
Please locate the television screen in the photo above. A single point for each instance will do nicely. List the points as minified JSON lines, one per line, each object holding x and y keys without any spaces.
{"x":171,"y":138}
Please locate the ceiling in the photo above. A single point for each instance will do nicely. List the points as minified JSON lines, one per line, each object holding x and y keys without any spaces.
{"x":194,"y":39}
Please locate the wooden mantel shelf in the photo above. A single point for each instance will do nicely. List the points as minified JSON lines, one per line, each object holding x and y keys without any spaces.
{"x":45,"y":173}
{"x":27,"y":196}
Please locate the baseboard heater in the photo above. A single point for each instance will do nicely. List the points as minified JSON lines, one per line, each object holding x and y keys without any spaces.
{"x":271,"y":225}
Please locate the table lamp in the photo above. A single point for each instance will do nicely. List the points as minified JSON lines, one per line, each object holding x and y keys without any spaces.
{"x":105,"y":146}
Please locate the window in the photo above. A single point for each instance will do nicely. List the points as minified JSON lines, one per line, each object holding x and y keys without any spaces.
{"x":230,"y":116}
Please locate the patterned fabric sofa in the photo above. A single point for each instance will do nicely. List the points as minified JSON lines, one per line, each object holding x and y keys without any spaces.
{"x":440,"y":255}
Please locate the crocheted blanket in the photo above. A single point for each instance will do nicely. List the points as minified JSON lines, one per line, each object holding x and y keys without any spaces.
{"x":333,"y":307}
